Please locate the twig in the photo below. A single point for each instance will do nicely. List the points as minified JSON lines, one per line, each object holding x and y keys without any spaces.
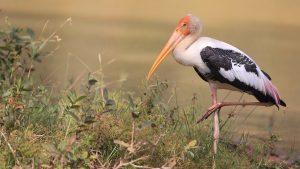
{"x":157,"y":141}
{"x":98,"y":160}
{"x":51,"y":53}
{"x":187,"y":122}
{"x":67,"y":68}
{"x":50,"y":74}
{"x":68,"y":20}
{"x":226,"y":96}
{"x":44,"y":28}
{"x":122,"y":164}
{"x":32,"y":163}
{"x":230,"y":115}
{"x":76,"y":81}
{"x":11,"y":149}
{"x":84,"y":64}
{"x":248,"y":115}
{"x":68,"y":127}
{"x":132,"y":135}
{"x":109,"y":156}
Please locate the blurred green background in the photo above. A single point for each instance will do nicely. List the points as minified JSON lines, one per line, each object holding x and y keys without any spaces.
{"x":129,"y":35}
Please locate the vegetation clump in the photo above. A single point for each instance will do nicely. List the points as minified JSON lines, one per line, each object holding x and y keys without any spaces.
{"x":97,"y":128}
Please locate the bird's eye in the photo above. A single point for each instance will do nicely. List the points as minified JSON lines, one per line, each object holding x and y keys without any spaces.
{"x":184,"y":25}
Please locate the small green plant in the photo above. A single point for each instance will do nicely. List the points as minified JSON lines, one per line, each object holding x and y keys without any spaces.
{"x":19,"y":51}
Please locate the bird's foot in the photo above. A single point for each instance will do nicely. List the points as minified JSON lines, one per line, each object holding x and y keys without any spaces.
{"x":209,"y":111}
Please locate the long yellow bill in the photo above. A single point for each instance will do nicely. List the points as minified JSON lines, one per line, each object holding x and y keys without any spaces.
{"x":171,"y":44}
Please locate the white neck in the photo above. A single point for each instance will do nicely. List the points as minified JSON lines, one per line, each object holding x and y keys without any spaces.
{"x":188,"y":41}
{"x":181,"y":48}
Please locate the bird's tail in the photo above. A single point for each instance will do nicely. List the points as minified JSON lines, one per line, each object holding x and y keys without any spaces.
{"x":272,"y":91}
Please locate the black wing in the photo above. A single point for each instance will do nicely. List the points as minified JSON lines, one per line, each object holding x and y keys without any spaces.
{"x":234,"y":68}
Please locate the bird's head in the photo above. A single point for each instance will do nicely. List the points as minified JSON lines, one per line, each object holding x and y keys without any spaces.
{"x":187,"y":25}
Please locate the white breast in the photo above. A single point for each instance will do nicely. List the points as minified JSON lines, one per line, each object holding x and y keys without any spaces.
{"x":190,"y":55}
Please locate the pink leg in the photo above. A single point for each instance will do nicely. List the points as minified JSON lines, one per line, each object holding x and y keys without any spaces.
{"x":213,"y":95}
{"x":219,"y":105}
{"x":216,"y":107}
{"x":216,"y":117}
{"x":216,"y":131}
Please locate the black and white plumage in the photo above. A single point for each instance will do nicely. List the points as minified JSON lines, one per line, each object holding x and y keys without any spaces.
{"x":226,"y":67}
{"x":229,"y":68}
{"x":222,"y":65}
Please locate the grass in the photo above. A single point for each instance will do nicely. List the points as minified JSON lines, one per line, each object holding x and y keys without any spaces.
{"x":95,"y":127}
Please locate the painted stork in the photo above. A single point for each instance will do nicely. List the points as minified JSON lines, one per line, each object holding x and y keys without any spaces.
{"x":222,"y":65}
